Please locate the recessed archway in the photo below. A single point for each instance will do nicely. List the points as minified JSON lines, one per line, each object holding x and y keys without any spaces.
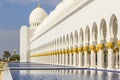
{"x":103,"y":31}
{"x":81,"y":37}
{"x":63,"y":55}
{"x":87,"y":40}
{"x":57,"y":43}
{"x":61,"y":43}
{"x":76,"y":38}
{"x":61,"y":46}
{"x":67,"y":47}
{"x":64,"y":43}
{"x":94,"y":33}
{"x":58,"y":56}
{"x":113,"y":28}
{"x":67,"y":40}
{"x":75,"y":55}
{"x":87,"y":35}
{"x":71,"y":39}
{"x":71,"y":46}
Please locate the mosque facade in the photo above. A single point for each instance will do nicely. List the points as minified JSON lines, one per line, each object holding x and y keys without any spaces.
{"x":78,"y":33}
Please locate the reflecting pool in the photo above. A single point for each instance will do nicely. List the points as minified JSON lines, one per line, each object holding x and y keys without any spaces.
{"x":71,"y":74}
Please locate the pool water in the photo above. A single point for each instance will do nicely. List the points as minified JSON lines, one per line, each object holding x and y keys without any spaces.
{"x":81,"y":74}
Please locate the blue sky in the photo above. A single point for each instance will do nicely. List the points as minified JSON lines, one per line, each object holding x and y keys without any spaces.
{"x":14,"y":14}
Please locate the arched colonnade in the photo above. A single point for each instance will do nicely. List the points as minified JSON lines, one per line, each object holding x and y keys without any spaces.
{"x":90,"y":48}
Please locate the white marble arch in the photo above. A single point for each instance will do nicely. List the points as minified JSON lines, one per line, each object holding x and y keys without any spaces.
{"x":81,"y":37}
{"x":60,"y":48}
{"x":54,"y":49}
{"x":75,"y":42}
{"x":94,"y":35}
{"x":87,"y":36}
{"x":58,"y":55}
{"x":71,"y":47}
{"x":113,"y":26}
{"x":111,"y":41}
{"x":63,"y":50}
{"x":86,"y":49}
{"x":75,"y":45}
{"x":80,"y":45}
{"x":118,"y":36}
{"x":102,"y":32}
{"x":67,"y":48}
{"x":51,"y":61}
{"x":102,"y":53}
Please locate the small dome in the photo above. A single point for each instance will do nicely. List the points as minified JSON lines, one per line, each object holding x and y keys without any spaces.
{"x":37,"y":16}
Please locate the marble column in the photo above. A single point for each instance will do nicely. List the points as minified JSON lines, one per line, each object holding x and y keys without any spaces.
{"x":86,"y":57}
{"x":56,"y":57}
{"x":80,"y":61}
{"x":66,"y":57}
{"x":50,"y":59}
{"x":53,"y":58}
{"x":100,"y":56}
{"x":119,"y":53}
{"x":116,"y":57}
{"x":74,"y":56}
{"x":70,"y":57}
{"x":111,"y":59}
{"x":93,"y":56}
{"x":60,"y":57}
{"x":63,"y":57}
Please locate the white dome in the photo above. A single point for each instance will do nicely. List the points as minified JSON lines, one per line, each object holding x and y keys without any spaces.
{"x":37,"y":16}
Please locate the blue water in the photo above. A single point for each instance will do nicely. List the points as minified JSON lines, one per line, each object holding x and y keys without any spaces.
{"x":79,"y":74}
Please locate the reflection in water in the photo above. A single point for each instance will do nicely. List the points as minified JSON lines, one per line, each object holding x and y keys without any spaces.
{"x":102,"y":75}
{"x":93,"y":74}
{"x":66,"y":75}
{"x":70,"y":74}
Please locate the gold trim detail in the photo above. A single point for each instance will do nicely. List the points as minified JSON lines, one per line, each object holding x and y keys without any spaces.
{"x":66,"y":51}
{"x":75,"y":50}
{"x":63,"y":51}
{"x":110,"y":45}
{"x":92,"y":48}
{"x":80,"y":49}
{"x":70,"y":50}
{"x":118,"y":43}
{"x":100,"y":47}
{"x":85,"y":48}
{"x":116,"y":50}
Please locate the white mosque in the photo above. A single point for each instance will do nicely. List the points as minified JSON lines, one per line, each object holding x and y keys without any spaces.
{"x":78,"y":33}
